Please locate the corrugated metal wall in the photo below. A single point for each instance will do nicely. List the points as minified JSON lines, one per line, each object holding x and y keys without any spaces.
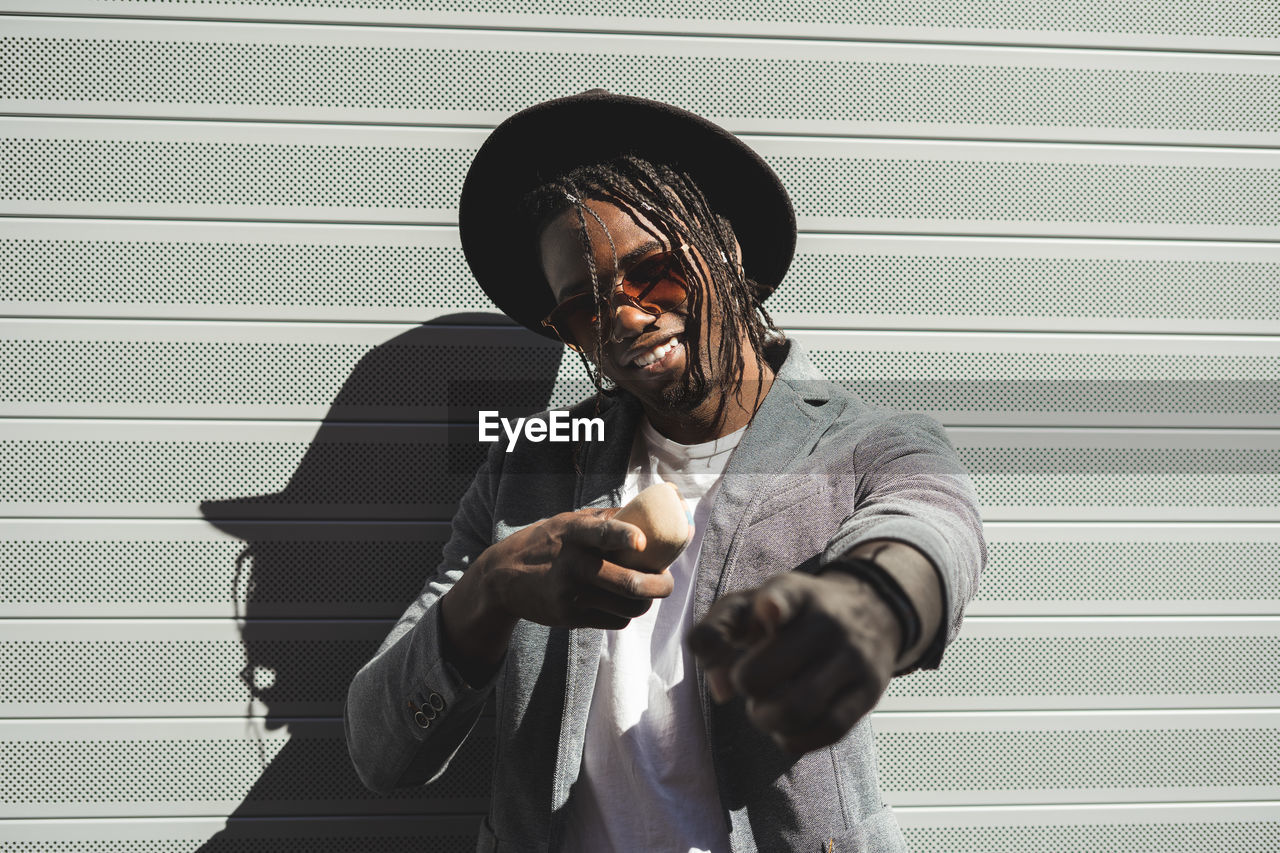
{"x":240,"y":326}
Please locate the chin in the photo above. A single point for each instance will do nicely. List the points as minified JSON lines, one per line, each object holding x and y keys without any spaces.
{"x":686,"y":395}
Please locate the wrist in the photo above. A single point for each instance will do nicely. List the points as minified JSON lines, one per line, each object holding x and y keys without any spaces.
{"x":924,"y":588}
{"x":476,"y":627}
{"x":877,"y":615}
{"x":902,"y":619}
{"x":489,"y":604}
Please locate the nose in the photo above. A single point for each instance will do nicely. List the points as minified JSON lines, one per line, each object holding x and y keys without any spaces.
{"x":629,"y":321}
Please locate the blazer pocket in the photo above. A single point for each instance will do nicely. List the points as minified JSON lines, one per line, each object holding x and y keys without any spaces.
{"x":803,"y":491}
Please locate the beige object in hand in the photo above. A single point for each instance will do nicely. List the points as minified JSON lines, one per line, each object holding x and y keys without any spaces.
{"x":667,"y":524}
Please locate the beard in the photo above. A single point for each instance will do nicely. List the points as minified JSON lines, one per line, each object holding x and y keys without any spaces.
{"x":695,"y":388}
{"x":687,"y":394}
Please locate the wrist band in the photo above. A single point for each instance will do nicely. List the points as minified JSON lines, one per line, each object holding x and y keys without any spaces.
{"x":889,"y":591}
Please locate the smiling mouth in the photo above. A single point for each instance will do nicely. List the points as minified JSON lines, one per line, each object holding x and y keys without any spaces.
{"x":656,"y":354}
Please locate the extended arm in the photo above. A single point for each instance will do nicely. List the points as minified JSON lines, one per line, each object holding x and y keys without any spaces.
{"x":915,"y":491}
{"x":813,"y":654}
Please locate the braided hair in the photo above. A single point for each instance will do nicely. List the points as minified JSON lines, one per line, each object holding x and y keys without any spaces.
{"x":674,"y":211}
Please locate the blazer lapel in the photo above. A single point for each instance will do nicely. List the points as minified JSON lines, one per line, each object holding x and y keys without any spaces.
{"x":604,"y":463}
{"x":794,"y":414}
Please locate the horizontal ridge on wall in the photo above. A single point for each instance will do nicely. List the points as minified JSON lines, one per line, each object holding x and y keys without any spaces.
{"x":103,"y":767}
{"x":1243,"y":25}
{"x":224,"y":170}
{"x":231,"y":471}
{"x":448,"y":373}
{"x":275,"y":271}
{"x":296,"y":668}
{"x":262,"y":570}
{"x":424,"y":76}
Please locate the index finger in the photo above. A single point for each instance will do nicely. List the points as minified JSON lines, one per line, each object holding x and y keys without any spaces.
{"x":632,"y":583}
{"x":601,"y":533}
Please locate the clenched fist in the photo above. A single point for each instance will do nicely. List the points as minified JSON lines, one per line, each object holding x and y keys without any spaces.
{"x":557,"y":572}
{"x":811,"y":655}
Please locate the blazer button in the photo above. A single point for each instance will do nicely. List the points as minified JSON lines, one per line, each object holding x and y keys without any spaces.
{"x":435,"y":700}
{"x":422,"y":719}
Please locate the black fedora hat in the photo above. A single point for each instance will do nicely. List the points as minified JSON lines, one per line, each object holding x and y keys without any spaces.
{"x":548,"y":139}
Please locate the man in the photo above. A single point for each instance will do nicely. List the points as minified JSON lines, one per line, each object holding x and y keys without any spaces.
{"x":720,"y":704}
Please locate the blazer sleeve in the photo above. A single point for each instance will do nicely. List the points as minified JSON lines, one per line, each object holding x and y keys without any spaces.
{"x":408,"y":710}
{"x":913,"y":489}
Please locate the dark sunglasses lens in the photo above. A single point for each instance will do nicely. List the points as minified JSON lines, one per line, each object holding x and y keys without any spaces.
{"x":656,"y":283}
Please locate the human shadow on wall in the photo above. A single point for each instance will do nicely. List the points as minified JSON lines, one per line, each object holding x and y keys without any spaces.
{"x":345,"y":540}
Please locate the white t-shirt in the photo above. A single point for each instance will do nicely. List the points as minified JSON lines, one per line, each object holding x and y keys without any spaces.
{"x":647,"y":781}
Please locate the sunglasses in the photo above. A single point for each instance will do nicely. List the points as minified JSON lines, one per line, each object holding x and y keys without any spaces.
{"x":655,"y":285}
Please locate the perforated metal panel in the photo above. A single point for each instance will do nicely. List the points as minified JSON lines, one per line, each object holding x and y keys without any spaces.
{"x":91,"y":469}
{"x":931,"y":759}
{"x":192,"y":767}
{"x":1062,"y":380}
{"x":323,"y":74}
{"x":1125,"y":569}
{"x":228,"y":270}
{"x":1193,"y":24}
{"x":112,"y":768}
{"x":1105,"y":475}
{"x":1067,"y":285}
{"x":190,"y":568}
{"x":169,"y":668}
{"x":270,"y":570}
{"x":398,"y":174}
{"x":380,"y":372}
{"x":235,"y":471}
{"x":340,"y":372}
{"x":125,"y":668}
{"x":245,"y":171}
{"x":1223,"y":828}
{"x":1090,"y":662}
{"x":70,"y":267}
{"x":967,"y":188}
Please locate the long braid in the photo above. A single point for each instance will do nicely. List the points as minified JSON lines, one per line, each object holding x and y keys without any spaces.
{"x":597,"y":295}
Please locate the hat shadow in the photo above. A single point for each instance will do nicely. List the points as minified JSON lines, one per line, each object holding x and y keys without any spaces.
{"x":352,"y":537}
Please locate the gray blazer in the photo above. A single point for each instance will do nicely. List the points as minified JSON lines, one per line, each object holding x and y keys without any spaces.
{"x":816,"y":473}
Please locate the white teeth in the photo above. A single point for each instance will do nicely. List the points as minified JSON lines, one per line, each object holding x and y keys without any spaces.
{"x":654,"y":354}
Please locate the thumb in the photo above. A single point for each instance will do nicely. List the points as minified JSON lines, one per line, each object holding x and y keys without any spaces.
{"x":720,"y":636}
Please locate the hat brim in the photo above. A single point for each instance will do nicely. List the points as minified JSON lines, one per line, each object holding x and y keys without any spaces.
{"x":553,"y":137}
